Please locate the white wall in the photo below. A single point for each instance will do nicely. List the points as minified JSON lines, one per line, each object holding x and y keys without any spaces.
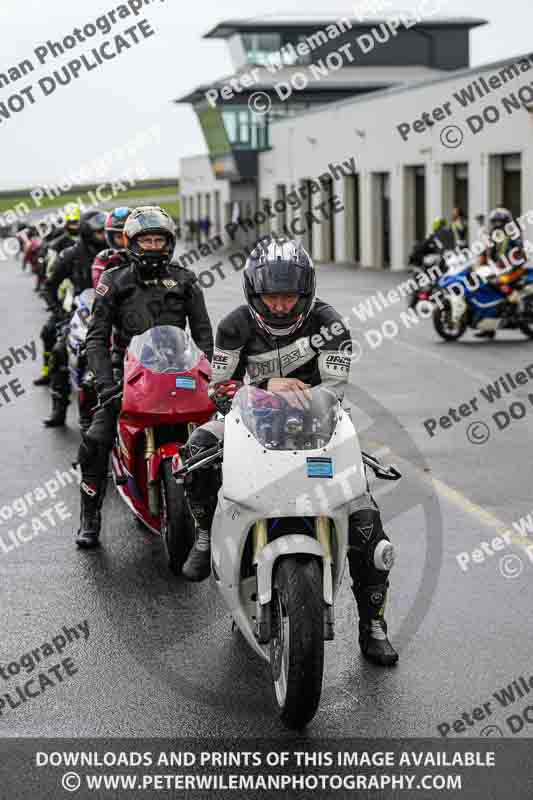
{"x":303,"y":147}
{"x":196,"y":177}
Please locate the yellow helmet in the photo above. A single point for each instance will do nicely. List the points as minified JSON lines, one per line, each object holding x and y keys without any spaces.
{"x":72,"y":217}
{"x":438,"y":223}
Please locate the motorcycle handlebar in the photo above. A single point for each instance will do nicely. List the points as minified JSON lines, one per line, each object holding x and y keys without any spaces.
{"x":107,"y":402}
{"x":202,"y":459}
{"x":199,"y":460}
{"x":385,"y":473}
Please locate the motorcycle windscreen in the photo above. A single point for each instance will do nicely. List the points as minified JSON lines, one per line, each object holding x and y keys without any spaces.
{"x":279,"y":422}
{"x":165,"y":348}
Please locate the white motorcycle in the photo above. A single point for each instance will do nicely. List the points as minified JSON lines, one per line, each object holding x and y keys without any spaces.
{"x":280,"y":531}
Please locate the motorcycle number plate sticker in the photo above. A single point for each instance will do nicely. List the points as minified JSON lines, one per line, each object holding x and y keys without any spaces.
{"x":185,"y":383}
{"x":319,"y":468}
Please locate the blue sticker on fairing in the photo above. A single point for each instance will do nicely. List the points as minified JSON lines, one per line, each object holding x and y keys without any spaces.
{"x":185,"y":383}
{"x":319,"y":468}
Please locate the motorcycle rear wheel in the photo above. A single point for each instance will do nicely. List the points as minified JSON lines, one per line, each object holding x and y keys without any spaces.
{"x":177,"y":527}
{"x":297,"y":644}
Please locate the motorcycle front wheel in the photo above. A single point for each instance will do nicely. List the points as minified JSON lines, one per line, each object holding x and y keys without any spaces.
{"x":448,"y":328}
{"x":297,"y":643}
{"x":177,"y":527}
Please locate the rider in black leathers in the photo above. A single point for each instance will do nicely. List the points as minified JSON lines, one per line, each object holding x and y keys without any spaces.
{"x":74,"y":263}
{"x":287,"y":348}
{"x":57,"y":240}
{"x":131,"y":298}
{"x":439,"y":242}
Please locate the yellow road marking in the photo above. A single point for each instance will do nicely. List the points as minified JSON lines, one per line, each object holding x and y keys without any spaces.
{"x":487,"y":518}
{"x":462,"y":502}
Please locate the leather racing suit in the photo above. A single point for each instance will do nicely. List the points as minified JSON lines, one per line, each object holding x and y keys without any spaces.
{"x":317,"y":353}
{"x":125,"y":305}
{"x":75,"y":264}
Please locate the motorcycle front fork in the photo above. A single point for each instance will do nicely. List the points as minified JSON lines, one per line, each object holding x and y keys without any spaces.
{"x":153,"y":485}
{"x":263,"y":616}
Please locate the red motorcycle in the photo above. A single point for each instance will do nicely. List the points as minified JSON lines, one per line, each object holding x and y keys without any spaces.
{"x":31,"y":250}
{"x":164,"y":399}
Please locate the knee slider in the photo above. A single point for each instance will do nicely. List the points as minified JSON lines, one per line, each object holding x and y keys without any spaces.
{"x":366,"y":535}
{"x":199,"y":440}
{"x":384,"y":555}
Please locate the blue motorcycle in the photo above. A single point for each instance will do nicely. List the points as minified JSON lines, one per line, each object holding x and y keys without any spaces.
{"x":467,"y":299}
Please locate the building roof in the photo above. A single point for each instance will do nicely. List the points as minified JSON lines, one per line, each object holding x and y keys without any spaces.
{"x":412,"y":86}
{"x":334,"y":85}
{"x":356,"y":79}
{"x":227,"y":28}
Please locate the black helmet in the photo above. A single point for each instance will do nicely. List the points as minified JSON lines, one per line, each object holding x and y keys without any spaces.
{"x":150,"y":219}
{"x":115,"y":223}
{"x":279,"y":266}
{"x":499,"y":218}
{"x":91,"y":222}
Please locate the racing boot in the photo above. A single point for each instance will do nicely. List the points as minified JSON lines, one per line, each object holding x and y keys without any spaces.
{"x":59,"y":413}
{"x":88,"y":534}
{"x":485,"y":334}
{"x":44,"y":379}
{"x":201,"y":489}
{"x":373,"y":640}
{"x":198,"y":564}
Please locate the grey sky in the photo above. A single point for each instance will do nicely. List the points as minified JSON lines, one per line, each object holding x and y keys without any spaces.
{"x":108,"y":106}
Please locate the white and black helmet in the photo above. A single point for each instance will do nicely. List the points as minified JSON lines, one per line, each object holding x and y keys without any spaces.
{"x":279,"y":266}
{"x":499,"y":218}
{"x":154,"y":220}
